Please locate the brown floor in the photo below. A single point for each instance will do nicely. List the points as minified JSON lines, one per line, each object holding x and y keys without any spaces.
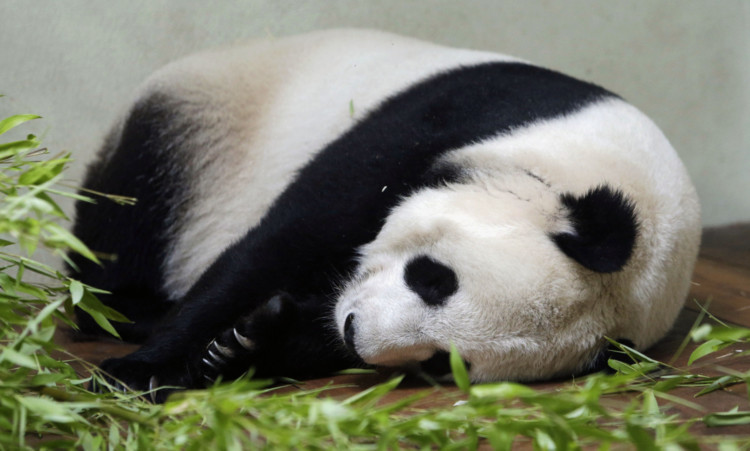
{"x":722,"y":276}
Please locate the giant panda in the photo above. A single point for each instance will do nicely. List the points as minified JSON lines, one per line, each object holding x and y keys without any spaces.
{"x":348,"y":197}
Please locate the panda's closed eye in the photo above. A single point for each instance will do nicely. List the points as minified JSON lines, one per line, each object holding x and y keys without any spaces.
{"x":433,"y":281}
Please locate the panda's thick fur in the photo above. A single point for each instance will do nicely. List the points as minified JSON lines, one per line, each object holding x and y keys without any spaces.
{"x":310,"y":201}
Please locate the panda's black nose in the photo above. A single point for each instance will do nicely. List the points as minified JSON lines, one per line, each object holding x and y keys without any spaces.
{"x":349,"y":332}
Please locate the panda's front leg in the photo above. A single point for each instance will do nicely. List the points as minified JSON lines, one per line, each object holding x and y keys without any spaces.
{"x":233,"y":286}
{"x":284,"y":337}
{"x":165,"y":363}
{"x":291,"y":335}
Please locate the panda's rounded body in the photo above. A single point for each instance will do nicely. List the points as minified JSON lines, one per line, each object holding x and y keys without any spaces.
{"x":410,"y":195}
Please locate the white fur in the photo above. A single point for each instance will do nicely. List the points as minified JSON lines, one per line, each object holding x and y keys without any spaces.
{"x":523,"y":309}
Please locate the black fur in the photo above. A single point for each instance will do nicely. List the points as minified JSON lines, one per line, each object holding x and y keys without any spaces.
{"x":336,"y":204}
{"x":132,"y":240}
{"x":605,"y":229}
{"x":442,"y":174}
{"x":431,"y":280}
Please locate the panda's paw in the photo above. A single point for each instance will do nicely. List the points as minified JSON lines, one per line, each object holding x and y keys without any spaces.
{"x":227,"y":356}
{"x":156,"y":379}
{"x":248,"y":342}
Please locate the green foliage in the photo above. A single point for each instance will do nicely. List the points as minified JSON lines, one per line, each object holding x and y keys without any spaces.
{"x":43,"y":402}
{"x":460,"y":374}
{"x":716,"y":338}
{"x":39,"y":393}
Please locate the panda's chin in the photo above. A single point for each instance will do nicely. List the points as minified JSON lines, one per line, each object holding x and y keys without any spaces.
{"x":400,"y":357}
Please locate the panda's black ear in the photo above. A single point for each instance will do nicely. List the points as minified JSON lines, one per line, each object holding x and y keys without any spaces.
{"x":605,"y":229}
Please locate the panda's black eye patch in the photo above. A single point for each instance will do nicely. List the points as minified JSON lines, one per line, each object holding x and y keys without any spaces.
{"x":431,"y":280}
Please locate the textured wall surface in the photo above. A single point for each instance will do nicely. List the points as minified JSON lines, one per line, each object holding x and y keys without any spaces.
{"x":686,"y":63}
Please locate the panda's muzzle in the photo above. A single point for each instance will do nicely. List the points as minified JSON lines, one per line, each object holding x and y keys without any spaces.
{"x":349,"y":333}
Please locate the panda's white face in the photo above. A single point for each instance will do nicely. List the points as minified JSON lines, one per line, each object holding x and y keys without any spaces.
{"x":474,"y":266}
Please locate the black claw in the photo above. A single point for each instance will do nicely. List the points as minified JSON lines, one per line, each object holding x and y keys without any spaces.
{"x":243,"y":341}
{"x":224,"y":351}
{"x":216,"y":358}
{"x":210,"y":364}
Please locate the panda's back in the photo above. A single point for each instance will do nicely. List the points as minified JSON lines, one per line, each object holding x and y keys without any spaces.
{"x":272,"y":106}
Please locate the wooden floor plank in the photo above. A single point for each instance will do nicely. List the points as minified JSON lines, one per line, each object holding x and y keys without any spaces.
{"x":725,"y":287}
{"x":729,"y":244}
{"x":722,"y":274}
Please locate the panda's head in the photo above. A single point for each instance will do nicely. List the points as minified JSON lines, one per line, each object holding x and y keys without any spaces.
{"x":522,"y":281}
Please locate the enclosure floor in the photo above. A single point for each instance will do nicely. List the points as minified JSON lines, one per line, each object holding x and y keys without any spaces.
{"x":721,"y":281}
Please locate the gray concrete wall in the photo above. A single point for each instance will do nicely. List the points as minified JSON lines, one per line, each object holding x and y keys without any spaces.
{"x":686,"y":63}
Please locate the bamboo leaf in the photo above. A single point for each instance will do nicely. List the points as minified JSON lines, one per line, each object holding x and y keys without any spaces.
{"x":48,"y":410}
{"x":633,"y":353}
{"x":42,"y":173}
{"x":76,"y":291}
{"x":730,"y":334}
{"x":17,"y":358}
{"x":621,"y":367}
{"x":374,"y":393}
{"x":502,"y":390}
{"x":54,"y":208}
{"x":641,"y":438}
{"x":542,"y":440}
{"x":101,"y":313}
{"x":718,"y":384}
{"x":47,"y":378}
{"x":731,"y":418}
{"x":704,"y":349}
{"x":31,"y":290}
{"x":650,"y":405}
{"x":14,"y":121}
{"x":100,"y":319}
{"x":89,"y":301}
{"x":701,"y":332}
{"x":458,"y":368}
{"x":60,"y":236}
{"x":10,"y":149}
